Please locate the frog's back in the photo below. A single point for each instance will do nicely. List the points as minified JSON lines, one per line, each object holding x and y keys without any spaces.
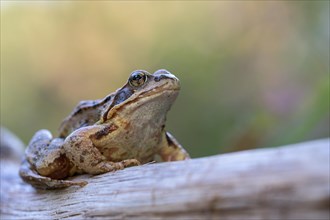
{"x":84,"y":114}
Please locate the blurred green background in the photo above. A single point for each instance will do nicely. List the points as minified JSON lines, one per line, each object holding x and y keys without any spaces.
{"x":253,"y":73}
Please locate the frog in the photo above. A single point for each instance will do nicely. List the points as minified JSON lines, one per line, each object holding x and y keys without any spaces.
{"x":124,"y":129}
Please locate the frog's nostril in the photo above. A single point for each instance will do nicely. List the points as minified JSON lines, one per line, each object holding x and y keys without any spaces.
{"x":160,"y":77}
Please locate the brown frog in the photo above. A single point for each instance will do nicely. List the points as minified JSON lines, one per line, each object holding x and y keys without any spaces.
{"x":126,"y":128}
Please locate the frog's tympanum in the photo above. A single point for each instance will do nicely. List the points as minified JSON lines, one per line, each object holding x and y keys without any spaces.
{"x":126,"y":128}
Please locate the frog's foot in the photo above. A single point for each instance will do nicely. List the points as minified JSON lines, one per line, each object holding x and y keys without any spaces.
{"x":106,"y":166}
{"x":129,"y":163}
{"x":172,"y":150}
{"x":42,"y":182}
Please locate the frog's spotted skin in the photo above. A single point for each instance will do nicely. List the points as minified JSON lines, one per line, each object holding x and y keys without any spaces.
{"x":124,"y":129}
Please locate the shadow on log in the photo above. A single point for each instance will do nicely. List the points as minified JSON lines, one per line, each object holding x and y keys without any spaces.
{"x":290,"y":182}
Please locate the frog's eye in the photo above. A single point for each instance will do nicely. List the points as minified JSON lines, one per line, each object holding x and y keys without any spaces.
{"x":137,"y":78}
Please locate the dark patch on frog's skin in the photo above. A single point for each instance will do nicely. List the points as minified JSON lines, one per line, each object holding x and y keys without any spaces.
{"x":105,"y":131}
{"x":84,"y":153}
{"x":62,"y":164}
{"x":120,"y":96}
{"x":81,"y":159}
{"x":65,"y":167}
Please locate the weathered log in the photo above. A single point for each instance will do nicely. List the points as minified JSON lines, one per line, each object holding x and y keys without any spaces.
{"x":290,"y":182}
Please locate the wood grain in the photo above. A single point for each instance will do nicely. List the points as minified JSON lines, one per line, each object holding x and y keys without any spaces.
{"x":290,"y":182}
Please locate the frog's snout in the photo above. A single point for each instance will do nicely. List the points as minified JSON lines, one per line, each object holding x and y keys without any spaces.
{"x":164,"y":74}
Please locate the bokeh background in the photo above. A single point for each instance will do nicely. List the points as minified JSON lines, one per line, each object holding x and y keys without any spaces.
{"x":253,"y":73}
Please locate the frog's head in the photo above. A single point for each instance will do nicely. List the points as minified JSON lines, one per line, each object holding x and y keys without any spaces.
{"x":145,"y":94}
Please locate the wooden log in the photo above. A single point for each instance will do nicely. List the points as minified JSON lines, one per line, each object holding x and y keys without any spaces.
{"x":290,"y":182}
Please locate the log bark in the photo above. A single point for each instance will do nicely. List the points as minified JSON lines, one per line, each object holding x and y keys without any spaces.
{"x":290,"y":182}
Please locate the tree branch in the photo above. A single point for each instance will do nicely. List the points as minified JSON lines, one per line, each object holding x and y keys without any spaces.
{"x":290,"y":182}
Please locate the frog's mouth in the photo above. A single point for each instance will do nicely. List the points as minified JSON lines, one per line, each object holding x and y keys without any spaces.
{"x":151,"y":94}
{"x":158,"y":90}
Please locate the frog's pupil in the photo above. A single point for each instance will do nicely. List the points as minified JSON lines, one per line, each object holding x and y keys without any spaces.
{"x":137,"y":77}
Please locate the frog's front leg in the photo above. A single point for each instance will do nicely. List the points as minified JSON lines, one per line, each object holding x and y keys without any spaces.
{"x":171,"y":150}
{"x":46,"y":163}
{"x":81,"y":149}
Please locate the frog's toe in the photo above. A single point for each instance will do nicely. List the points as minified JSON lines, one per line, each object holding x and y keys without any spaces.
{"x":130,"y":162}
{"x":108,"y":166}
{"x":58,"y":184}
